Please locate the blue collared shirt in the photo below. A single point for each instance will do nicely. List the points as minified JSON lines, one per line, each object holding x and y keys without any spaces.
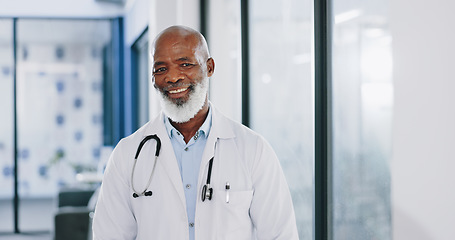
{"x":189,"y":158}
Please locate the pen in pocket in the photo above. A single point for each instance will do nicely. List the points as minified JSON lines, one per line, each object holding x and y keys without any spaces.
{"x":227,"y":191}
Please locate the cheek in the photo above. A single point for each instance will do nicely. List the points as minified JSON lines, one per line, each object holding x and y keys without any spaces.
{"x":157,"y":81}
{"x":158,"y":85}
{"x":196,"y":76}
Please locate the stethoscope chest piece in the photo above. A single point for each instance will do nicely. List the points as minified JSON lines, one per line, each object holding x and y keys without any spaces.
{"x":207,"y":191}
{"x":148,"y":193}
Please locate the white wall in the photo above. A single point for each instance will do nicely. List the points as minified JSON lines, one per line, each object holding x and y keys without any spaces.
{"x":59,"y":8}
{"x":136,"y":19}
{"x":423,"y":165}
{"x":225,"y":47}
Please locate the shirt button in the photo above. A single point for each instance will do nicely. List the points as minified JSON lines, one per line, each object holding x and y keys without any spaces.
{"x":191,"y":225}
{"x":196,"y":136}
{"x":186,"y":149}
{"x":188,"y":186}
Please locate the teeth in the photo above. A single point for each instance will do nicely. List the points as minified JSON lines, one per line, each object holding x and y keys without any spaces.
{"x":178,"y":90}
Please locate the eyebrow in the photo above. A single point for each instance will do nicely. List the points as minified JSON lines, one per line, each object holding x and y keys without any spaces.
{"x":158,"y":63}
{"x":182,"y":59}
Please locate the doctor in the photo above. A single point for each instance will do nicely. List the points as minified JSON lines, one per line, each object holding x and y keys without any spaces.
{"x":202,"y":151}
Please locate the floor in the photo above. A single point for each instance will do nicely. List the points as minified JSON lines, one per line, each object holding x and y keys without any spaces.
{"x":26,"y":236}
{"x":35,"y":219}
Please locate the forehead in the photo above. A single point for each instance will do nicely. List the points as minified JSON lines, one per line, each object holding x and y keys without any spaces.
{"x":174,"y":47}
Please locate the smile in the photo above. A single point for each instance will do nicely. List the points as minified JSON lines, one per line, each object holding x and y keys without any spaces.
{"x":177,"y":90}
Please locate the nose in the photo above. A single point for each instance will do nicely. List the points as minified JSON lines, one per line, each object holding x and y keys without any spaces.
{"x":174,"y":75}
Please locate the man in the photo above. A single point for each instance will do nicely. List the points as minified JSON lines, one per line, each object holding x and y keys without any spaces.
{"x":213,"y":178}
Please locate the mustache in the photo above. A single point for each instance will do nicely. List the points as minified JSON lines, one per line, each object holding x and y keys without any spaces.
{"x":178,"y":85}
{"x":173,"y":86}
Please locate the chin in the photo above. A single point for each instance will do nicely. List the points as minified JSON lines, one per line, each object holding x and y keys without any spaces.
{"x":182,"y":110}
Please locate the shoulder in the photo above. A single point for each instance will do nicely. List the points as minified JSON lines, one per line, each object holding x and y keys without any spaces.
{"x":138,"y":135}
{"x":129,"y":144}
{"x":244,"y":137}
{"x":126,"y":148}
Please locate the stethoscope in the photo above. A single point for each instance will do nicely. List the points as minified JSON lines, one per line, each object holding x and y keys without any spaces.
{"x":157,"y":153}
{"x":207,"y":191}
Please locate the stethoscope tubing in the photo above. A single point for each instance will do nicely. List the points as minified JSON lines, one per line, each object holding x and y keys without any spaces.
{"x":157,"y":153}
{"x":207,"y":191}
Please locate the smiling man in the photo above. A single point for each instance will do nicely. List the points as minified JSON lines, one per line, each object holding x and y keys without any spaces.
{"x":213,"y":178}
{"x":181,"y":71}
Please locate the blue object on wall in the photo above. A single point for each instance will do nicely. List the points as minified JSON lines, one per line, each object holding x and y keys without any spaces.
{"x":78,"y":102}
{"x":96,"y":119}
{"x":61,"y":183}
{"x":59,"y":53}
{"x":95,"y":53}
{"x":96,"y":152}
{"x":7,"y":171}
{"x":60,"y":152}
{"x":60,"y":86}
{"x":78,"y":136}
{"x":97,"y":87}
{"x":24,"y":53}
{"x":60,"y":119}
{"x":5,"y":70}
{"x":42,"y":170}
{"x":24,"y":154}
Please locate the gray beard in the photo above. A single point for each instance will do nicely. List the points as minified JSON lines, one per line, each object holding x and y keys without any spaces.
{"x":182,"y":111}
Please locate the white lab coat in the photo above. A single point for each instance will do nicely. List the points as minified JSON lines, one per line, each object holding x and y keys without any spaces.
{"x":260,"y":205}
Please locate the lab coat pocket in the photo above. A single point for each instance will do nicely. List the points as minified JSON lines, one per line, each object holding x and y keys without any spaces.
{"x":233,"y":214}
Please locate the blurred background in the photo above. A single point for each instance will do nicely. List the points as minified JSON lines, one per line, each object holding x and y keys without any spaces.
{"x":75,"y":79}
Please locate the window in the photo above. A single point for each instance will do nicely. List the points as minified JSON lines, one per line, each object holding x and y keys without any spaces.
{"x":281,"y":84}
{"x":59,"y":75}
{"x":281,"y":93}
{"x":362,"y":99}
{"x":225,"y":47}
{"x":281,"y":103}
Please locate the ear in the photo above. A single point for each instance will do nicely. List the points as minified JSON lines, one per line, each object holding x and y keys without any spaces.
{"x":210,"y":67}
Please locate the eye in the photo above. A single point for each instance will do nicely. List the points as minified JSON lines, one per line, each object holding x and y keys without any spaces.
{"x":186,"y":64}
{"x":159,"y":70}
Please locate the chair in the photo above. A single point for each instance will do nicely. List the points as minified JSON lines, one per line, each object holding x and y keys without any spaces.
{"x":73,"y":218}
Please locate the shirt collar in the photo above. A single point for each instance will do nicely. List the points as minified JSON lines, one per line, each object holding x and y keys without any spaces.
{"x":205,"y":128}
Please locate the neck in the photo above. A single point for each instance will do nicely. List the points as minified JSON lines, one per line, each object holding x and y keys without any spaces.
{"x":189,"y":129}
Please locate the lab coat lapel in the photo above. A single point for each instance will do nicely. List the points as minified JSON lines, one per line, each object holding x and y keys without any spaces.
{"x":167,"y":157}
{"x":221,"y":129}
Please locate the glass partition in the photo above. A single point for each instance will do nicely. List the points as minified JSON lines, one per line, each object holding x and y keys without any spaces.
{"x":362,"y":101}
{"x":60,"y":110}
{"x":282,"y":94}
{"x":225,"y":47}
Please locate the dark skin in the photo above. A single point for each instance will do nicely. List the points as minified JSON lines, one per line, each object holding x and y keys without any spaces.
{"x":181,"y":60}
